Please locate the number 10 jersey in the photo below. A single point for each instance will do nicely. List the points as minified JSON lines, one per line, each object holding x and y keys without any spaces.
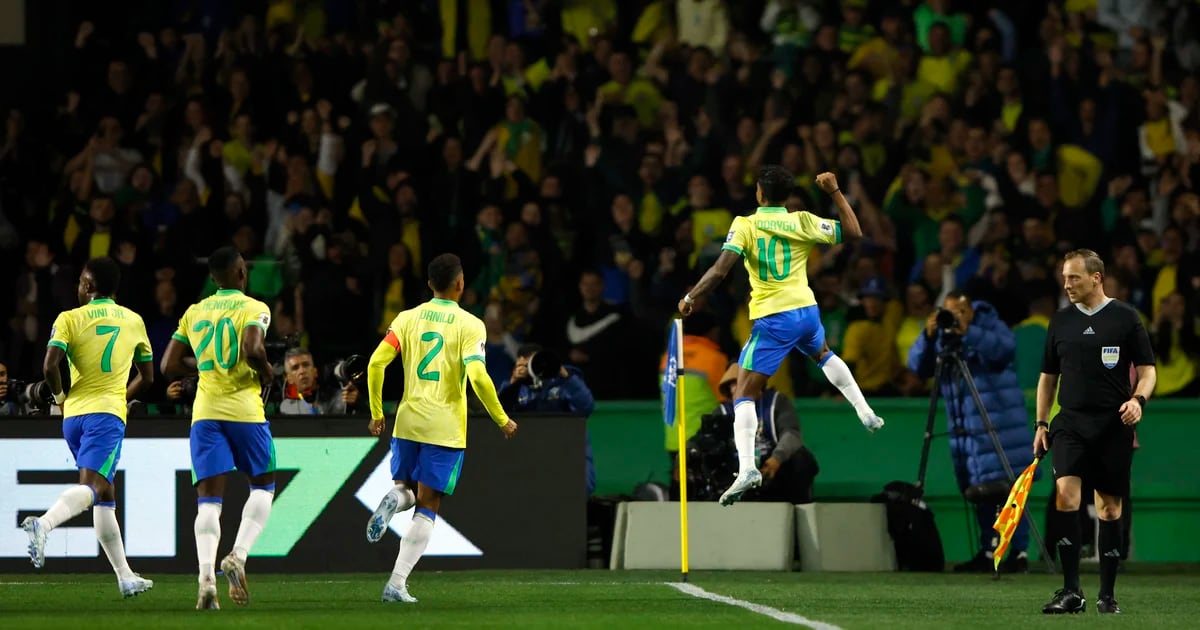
{"x":775,"y":244}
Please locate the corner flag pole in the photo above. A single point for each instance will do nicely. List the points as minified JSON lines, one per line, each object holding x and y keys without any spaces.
{"x":681,"y":426}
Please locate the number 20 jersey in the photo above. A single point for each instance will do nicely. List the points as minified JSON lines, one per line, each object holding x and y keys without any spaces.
{"x":436,"y":341}
{"x":213,"y":328}
{"x":775,"y":244}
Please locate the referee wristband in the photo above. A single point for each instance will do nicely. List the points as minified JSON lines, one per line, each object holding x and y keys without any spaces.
{"x":1141,"y":400}
{"x":1042,"y":424}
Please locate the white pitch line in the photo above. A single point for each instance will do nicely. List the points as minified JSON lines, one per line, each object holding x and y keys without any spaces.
{"x":773,"y":613}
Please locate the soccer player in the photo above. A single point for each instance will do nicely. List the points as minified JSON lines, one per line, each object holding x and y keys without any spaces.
{"x":1092,"y":345}
{"x":101,"y":340}
{"x":443,"y":347}
{"x":225,"y":332}
{"x":775,"y":244}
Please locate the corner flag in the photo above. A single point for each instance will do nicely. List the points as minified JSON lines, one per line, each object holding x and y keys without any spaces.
{"x":672,"y":371}
{"x":1006,"y":523}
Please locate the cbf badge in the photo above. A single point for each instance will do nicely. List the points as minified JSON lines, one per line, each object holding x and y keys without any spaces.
{"x":1109,"y":355}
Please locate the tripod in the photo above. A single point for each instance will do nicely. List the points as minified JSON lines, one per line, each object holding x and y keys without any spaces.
{"x":949,"y":364}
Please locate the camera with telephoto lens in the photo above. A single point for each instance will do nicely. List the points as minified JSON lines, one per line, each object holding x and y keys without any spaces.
{"x":544,"y":365}
{"x":35,"y":395}
{"x":350,"y":369}
{"x":947,"y":321}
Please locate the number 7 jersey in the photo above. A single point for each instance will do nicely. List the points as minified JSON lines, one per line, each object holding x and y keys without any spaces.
{"x":436,"y":341}
{"x":775,"y":244}
{"x":213,"y":329}
{"x":102,"y":340}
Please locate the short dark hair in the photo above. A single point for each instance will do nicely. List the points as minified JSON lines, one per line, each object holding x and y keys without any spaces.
{"x":106,"y":275}
{"x":223,"y":260}
{"x":443,"y":270}
{"x":1091,"y":260}
{"x":958,"y":294}
{"x":528,"y":350}
{"x":298,"y":351}
{"x":776,"y":184}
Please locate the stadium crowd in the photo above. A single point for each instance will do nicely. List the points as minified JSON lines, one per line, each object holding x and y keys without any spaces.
{"x":585,"y":159}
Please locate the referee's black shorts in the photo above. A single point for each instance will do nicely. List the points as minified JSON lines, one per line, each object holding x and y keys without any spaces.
{"x":1103,"y":458}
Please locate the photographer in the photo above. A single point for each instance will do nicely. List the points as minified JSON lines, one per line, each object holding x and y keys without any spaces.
{"x":19,"y":398}
{"x":987,"y":347}
{"x":787,"y":466}
{"x":8,"y":404}
{"x":303,"y":394}
{"x":540,"y":382}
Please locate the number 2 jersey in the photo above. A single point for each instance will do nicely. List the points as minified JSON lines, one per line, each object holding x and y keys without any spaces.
{"x":213,"y":327}
{"x":436,"y":341}
{"x":102,"y":340}
{"x":775,"y":244}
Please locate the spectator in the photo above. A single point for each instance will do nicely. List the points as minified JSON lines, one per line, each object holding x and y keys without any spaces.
{"x":592,"y":334}
{"x":1176,"y":347}
{"x":562,"y":391}
{"x":869,"y":347}
{"x":303,"y":393}
{"x":987,"y":349}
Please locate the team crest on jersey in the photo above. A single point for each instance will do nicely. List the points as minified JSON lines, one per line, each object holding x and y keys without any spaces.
{"x":1109,"y":355}
{"x":264,"y":319}
{"x":826,"y":227}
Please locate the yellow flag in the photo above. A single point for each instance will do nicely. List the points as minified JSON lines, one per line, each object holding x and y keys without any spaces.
{"x":1006,"y":523}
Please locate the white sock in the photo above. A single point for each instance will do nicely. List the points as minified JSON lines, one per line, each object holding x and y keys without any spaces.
{"x":839,"y":374}
{"x":70,"y":504}
{"x":254,"y":519}
{"x":404,"y":497}
{"x":412,"y":546}
{"x":745,"y":428}
{"x":208,"y":536}
{"x":108,"y":532}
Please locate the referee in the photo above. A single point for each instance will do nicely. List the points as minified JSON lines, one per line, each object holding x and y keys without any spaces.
{"x":1091,"y":344}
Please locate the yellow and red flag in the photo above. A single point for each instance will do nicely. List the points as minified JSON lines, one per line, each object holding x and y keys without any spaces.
{"x":1006,"y":523}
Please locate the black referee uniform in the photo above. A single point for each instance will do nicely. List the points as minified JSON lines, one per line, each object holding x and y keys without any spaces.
{"x":1093,"y":353}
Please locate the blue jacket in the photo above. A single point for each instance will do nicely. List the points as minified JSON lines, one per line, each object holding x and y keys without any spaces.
{"x":556,"y":395}
{"x":988,"y":349}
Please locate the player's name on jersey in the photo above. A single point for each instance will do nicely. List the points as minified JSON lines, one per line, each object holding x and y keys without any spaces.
{"x":221,"y":305}
{"x":778,"y":226}
{"x":100,"y":311}
{"x":438,"y":317}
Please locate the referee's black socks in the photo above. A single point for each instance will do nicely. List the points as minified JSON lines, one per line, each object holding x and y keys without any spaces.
{"x":1068,"y":547}
{"x":1109,"y":544}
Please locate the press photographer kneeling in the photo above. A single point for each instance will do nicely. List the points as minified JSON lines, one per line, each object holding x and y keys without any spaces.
{"x":974,"y":332}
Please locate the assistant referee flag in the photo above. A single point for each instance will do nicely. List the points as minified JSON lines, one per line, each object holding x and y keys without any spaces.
{"x":1006,"y":523}
{"x":671,"y":372}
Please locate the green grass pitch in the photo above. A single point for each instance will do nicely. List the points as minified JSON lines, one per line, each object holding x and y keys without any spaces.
{"x":596,"y":599}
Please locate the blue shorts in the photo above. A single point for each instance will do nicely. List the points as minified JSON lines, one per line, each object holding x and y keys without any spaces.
{"x":219,"y":446}
{"x":95,"y":441}
{"x":428,"y":464}
{"x":772,"y":337}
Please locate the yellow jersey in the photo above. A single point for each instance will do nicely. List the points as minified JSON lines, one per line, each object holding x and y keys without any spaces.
{"x":229,"y":389}
{"x":102,"y":341}
{"x":775,"y":244}
{"x":436,"y":340}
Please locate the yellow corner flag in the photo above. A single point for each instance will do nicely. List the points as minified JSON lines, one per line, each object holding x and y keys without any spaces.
{"x":1006,"y":523}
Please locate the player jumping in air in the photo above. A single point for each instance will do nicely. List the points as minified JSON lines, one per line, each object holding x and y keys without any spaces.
{"x":775,"y":244}
{"x":226,"y":333}
{"x":443,"y":347}
{"x":101,"y":339}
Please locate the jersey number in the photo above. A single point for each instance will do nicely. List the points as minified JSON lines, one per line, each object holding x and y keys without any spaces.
{"x":767,"y":258}
{"x":227,"y":343}
{"x":106,"y":358}
{"x":422,"y":367}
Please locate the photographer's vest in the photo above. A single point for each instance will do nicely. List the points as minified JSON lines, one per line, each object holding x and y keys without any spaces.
{"x":766,"y":438}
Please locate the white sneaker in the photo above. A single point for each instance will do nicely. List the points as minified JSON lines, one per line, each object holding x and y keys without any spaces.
{"x":382,"y":516}
{"x":393,"y":594}
{"x":872,"y":423}
{"x":130,"y":587}
{"x":746,"y":480}
{"x":37,"y":540}
{"x":207,"y":599}
{"x":235,"y":571}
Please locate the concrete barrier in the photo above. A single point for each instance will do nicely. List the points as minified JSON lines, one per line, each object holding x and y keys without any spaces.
{"x":746,"y":536}
{"x":844,"y":537}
